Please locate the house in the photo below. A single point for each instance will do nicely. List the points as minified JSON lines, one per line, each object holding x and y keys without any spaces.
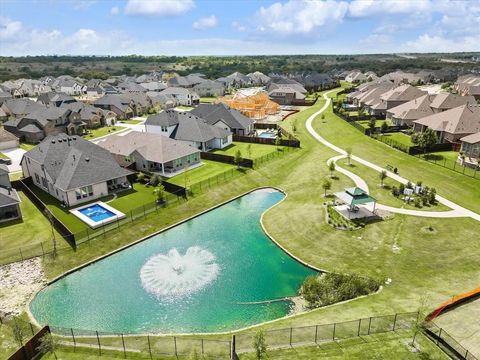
{"x":92,"y":116}
{"x":286,"y":95}
{"x":68,"y":85}
{"x":188,"y":128}
{"x":405,"y":114}
{"x":116,"y":103}
{"x":38,"y":124}
{"x":468,"y":85}
{"x":470,"y":149}
{"x":131,"y":87}
{"x":394,"y":97}
{"x":20,"y":107}
{"x":258,"y":78}
{"x":154,"y":86}
{"x":356,"y":77}
{"x":235,"y":80}
{"x":313,"y":81}
{"x":184,"y":96}
{"x":225,"y":117}
{"x":55,"y":99}
{"x":162,"y":101}
{"x":149,"y":152}
{"x":452,"y":125}
{"x":9,"y":199}
{"x":209,"y":88}
{"x":283,"y":81}
{"x":446,"y":101}
{"x":73,"y":170}
{"x":8,"y":140}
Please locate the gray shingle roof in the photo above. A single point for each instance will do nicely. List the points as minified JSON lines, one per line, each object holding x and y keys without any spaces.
{"x":212,"y":113}
{"x":6,"y":135}
{"x":75,"y":163}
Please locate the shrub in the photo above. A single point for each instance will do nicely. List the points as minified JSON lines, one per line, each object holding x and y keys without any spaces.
{"x":140,"y":176}
{"x":401,"y":189}
{"x":154,"y":180}
{"x":395,"y":191}
{"x":332,"y":288}
{"x":418,"y":202}
{"x":432,"y":193}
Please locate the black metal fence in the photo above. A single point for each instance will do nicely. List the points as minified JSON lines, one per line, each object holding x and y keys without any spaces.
{"x":316,"y":334}
{"x":446,"y":342}
{"x":226,"y":159}
{"x":472,"y":171}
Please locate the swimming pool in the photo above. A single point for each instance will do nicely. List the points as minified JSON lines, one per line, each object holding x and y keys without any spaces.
{"x":97,"y":214}
{"x":267,"y":135}
{"x":201,"y":276}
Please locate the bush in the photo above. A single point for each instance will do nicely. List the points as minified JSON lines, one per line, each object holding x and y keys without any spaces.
{"x":395,"y":191}
{"x":332,"y":288}
{"x":401,"y":189}
{"x":418,"y":202}
{"x":154,"y":180}
{"x":140,"y":177}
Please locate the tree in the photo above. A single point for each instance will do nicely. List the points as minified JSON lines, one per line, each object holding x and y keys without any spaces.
{"x":383,"y":176}
{"x":160,"y":194}
{"x":260,"y":345}
{"x":238,"y":159}
{"x":154,"y":180}
{"x":349,"y":155}
{"x":384,"y":127}
{"x":331,"y":167}
{"x":48,"y":344}
{"x":326,"y":185}
{"x":426,"y":139}
{"x":140,"y":176}
{"x":249,"y":150}
{"x":372,"y":123}
{"x":294,"y":126}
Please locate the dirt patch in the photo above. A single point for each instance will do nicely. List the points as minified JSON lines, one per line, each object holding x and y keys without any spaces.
{"x":18,"y":282}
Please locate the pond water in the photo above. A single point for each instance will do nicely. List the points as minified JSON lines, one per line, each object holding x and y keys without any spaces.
{"x":195,"y":277}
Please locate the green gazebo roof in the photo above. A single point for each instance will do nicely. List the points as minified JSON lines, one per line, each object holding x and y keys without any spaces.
{"x":355,"y":196}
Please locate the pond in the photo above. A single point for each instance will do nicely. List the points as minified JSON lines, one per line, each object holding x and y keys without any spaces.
{"x":205,"y":275}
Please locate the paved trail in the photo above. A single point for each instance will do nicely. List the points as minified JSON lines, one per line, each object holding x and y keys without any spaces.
{"x":457,"y":210}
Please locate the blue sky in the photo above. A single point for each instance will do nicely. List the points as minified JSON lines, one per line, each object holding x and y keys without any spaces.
{"x":237,"y":27}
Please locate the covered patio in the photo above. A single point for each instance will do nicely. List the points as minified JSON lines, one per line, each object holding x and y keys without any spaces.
{"x":356,"y":203}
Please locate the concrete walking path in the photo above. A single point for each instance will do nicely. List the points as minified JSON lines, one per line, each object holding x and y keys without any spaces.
{"x":457,"y":210}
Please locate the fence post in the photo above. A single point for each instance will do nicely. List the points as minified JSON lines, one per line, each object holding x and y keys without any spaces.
{"x":175,"y":344}
{"x":202,"y":347}
{"x":149,"y":347}
{"x":21,"y":255}
{"x":394,"y":321}
{"x":31,"y":328}
{"x":316,"y":333}
{"x":334,"y":328}
{"x":123,"y":344}
{"x":99,"y":346}
{"x":291,"y":331}
{"x":369,"y":324}
{"x":466,"y":354}
{"x":439,"y":336}
{"x":359,"y":326}
{"x":131,"y":215}
{"x":43,"y":252}
{"x":103,"y":228}
{"x":144,"y":210}
{"x":233,"y":348}
{"x":73,"y":338}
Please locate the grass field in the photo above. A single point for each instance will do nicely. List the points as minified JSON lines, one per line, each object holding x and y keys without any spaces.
{"x":399,"y":137}
{"x":131,"y":122}
{"x":26,"y":146}
{"x":207,"y":170}
{"x":256,"y":150}
{"x":96,"y":133}
{"x":133,"y":198}
{"x":208,"y":99}
{"x":428,"y":265}
{"x":378,"y":124}
{"x":33,"y":229}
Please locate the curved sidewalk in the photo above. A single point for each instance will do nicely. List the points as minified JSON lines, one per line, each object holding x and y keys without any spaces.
{"x":457,"y":210}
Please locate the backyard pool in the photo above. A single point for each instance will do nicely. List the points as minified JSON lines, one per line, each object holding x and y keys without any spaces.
{"x":267,"y":134}
{"x":97,"y":214}
{"x":207,"y":274}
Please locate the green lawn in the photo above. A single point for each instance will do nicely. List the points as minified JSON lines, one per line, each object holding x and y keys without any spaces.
{"x":15,"y":175}
{"x":96,"y":133}
{"x":134,"y":198}
{"x":378,"y":124}
{"x":185,"y":108}
{"x":131,"y":122}
{"x":26,"y":146}
{"x":422,"y":264}
{"x":441,"y":156}
{"x":209,"y":169}
{"x":256,"y":150}
{"x":208,"y":99}
{"x":27,"y":233}
{"x":399,"y":137}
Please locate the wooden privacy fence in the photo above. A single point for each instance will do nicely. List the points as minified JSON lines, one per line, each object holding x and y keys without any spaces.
{"x":29,"y":350}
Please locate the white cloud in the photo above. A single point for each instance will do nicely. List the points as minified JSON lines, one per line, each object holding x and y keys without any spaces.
{"x":300,"y":17}
{"x":239,"y":27}
{"x":83,"y":4}
{"x":205,"y":23}
{"x":434,"y":43}
{"x":158,"y":7}
{"x":114,"y":10}
{"x":9,"y":29}
{"x":365,"y":8}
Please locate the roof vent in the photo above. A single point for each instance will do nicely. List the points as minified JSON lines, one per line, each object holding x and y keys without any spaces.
{"x":87,"y":159}
{"x":53,"y":141}
{"x":60,"y":140}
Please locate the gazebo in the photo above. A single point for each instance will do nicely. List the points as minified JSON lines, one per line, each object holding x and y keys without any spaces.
{"x":353,"y":198}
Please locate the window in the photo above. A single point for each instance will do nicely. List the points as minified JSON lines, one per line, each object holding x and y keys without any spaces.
{"x":44,"y":183}
{"x":37,"y":178}
{"x":164,"y":129}
{"x":224,"y":140}
{"x":84,"y":192}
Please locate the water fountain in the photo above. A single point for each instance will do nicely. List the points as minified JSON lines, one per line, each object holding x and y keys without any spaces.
{"x":175,"y":275}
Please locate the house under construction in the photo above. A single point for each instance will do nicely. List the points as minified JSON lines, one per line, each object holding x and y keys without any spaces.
{"x":253,"y":105}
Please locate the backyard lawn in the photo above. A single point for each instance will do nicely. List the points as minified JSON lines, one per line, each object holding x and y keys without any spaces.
{"x":133,"y":198}
{"x":184,"y":108}
{"x":399,"y":137}
{"x":96,"y":133}
{"x":207,"y":170}
{"x":378,"y":123}
{"x":130,"y":121}
{"x":208,"y":99}
{"x":256,"y":150}
{"x":27,"y":233}
{"x":26,"y":146}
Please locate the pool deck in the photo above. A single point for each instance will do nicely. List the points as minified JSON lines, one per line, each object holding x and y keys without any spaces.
{"x":95,"y":224}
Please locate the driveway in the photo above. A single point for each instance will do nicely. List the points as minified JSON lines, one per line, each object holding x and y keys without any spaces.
{"x":15,"y":154}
